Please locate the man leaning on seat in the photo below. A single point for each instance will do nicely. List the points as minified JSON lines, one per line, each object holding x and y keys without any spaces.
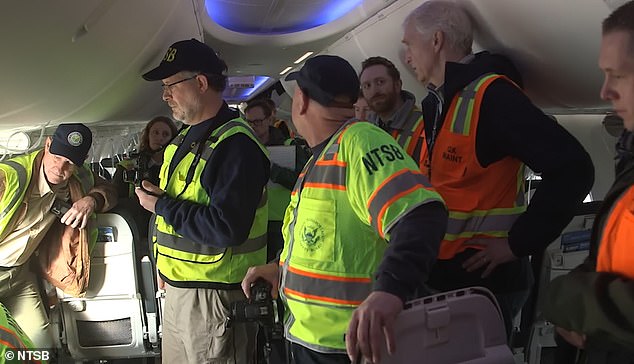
{"x":29,"y":186}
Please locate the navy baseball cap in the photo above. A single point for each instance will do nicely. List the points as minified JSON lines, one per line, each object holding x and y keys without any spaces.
{"x":187,"y":55}
{"x":72,"y":141}
{"x":325,"y":78}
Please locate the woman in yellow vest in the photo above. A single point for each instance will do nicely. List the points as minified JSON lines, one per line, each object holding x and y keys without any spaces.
{"x":593,"y":306}
{"x":357,"y":192}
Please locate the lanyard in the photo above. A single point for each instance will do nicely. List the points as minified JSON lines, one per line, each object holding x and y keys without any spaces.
{"x":202,"y":142}
{"x":431,"y":141}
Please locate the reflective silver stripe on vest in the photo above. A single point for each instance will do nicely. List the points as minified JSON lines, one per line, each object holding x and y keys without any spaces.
{"x":465,"y":105}
{"x":331,"y":152}
{"x":332,"y":175}
{"x":206,"y":154}
{"x":21,"y":184}
{"x":178,"y":140}
{"x":333,"y":149}
{"x":320,"y":349}
{"x":10,"y":338}
{"x":185,"y":245}
{"x":481,"y":224}
{"x":347,"y":293}
{"x":408,"y":129}
{"x":395,"y":186}
{"x":402,"y":137}
{"x":520,"y":199}
{"x":265,"y":197}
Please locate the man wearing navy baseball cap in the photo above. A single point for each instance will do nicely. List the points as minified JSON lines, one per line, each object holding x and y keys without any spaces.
{"x":329,"y":80}
{"x":339,"y":276}
{"x":49,"y":198}
{"x":72,"y":141}
{"x":212,"y":213}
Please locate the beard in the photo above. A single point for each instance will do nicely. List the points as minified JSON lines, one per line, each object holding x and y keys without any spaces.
{"x":386,"y":104}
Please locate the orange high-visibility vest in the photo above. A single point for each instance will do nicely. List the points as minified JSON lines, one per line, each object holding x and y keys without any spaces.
{"x":615,"y":251}
{"x":482,"y":202}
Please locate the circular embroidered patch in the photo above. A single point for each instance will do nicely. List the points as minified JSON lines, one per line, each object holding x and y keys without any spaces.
{"x":312,"y":237}
{"x":75,"y":139}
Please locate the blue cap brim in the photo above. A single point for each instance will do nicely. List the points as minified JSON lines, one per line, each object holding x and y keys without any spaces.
{"x":164,"y":70}
{"x":292,"y":76}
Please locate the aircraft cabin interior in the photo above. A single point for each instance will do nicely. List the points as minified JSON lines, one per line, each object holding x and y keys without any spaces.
{"x":81,"y":61}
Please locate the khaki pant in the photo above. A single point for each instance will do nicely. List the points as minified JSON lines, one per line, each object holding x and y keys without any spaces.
{"x":20,"y":294}
{"x":194,"y":328}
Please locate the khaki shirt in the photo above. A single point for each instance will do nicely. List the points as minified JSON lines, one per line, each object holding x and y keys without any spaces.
{"x":25,"y":232}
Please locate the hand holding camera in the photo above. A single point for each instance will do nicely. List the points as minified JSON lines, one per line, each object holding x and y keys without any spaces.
{"x":260,"y":308}
{"x":139,"y":170}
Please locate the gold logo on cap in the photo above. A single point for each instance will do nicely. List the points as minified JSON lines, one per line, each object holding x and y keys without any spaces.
{"x":170,"y":54}
{"x":75,"y":139}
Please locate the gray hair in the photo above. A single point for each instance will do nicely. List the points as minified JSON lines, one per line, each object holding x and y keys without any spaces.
{"x":447,"y":17}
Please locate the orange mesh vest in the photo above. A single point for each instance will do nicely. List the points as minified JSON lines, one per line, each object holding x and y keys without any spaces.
{"x":615,"y":251}
{"x":482,"y":202}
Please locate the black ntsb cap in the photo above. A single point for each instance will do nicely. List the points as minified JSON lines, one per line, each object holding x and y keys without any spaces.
{"x":325,"y":78}
{"x":187,"y":55}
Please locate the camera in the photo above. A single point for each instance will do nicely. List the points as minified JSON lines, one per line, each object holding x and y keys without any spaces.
{"x":60,"y":208}
{"x":260,"y":308}
{"x":139,"y":171}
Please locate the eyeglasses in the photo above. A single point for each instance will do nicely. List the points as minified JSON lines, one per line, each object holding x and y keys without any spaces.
{"x":168,"y":86}
{"x":256,"y":122}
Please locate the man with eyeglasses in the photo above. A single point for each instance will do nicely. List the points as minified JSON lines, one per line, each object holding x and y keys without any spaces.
{"x":211,"y":210}
{"x":259,"y":115}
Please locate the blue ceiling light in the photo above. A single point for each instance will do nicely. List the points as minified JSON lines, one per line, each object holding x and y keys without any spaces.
{"x":258,"y":18}
{"x":336,"y":9}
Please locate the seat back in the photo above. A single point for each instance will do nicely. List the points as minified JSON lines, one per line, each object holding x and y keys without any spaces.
{"x":110,"y":321}
{"x":461,"y":326}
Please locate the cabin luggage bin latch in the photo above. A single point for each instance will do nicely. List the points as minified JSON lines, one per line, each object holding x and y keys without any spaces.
{"x":438,"y":316}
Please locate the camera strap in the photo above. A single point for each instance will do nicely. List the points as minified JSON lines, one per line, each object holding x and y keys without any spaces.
{"x":199,"y":152}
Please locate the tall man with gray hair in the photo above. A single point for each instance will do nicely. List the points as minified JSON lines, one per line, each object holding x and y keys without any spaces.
{"x":475,"y":158}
